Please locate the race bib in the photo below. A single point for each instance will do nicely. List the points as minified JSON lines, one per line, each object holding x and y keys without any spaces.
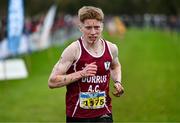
{"x":92,"y":100}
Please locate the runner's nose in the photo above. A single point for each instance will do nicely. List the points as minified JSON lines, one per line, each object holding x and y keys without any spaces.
{"x":93,"y":31}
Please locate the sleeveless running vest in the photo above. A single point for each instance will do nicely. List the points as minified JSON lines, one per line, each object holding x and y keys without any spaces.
{"x":89,"y":97}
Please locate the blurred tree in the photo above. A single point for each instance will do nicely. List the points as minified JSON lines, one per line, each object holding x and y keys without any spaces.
{"x":167,"y":7}
{"x":3,"y":7}
{"x":33,"y":7}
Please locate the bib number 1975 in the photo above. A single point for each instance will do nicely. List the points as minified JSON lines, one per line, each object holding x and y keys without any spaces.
{"x":89,"y":100}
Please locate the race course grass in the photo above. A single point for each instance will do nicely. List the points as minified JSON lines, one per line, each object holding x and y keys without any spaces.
{"x":150,"y":74}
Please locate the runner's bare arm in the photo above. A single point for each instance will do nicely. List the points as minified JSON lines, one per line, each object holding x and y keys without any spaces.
{"x":116,"y":71}
{"x":115,"y":66}
{"x":59,"y":78}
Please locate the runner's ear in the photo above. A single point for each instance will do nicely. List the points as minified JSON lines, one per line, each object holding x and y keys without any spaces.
{"x":80,"y":27}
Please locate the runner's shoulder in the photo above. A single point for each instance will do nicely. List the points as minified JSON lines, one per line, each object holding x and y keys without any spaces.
{"x":73,"y":49}
{"x":113,"y":47}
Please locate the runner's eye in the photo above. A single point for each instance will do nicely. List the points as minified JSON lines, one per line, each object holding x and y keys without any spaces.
{"x":96,"y":27}
{"x":88,"y":27}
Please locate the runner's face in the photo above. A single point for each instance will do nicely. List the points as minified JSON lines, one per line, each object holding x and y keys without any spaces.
{"x":91,"y":29}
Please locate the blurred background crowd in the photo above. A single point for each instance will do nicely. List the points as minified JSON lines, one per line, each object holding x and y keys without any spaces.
{"x":124,"y":14}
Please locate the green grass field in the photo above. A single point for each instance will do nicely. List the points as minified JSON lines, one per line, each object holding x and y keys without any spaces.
{"x":150,"y":66}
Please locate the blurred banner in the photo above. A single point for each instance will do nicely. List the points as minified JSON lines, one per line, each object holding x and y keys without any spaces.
{"x":46,"y":28}
{"x":15,"y":25}
{"x":13,"y":69}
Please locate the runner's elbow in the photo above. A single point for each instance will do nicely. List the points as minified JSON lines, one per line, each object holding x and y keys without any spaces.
{"x":51,"y":83}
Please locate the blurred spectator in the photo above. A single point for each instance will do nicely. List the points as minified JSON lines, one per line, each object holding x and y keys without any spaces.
{"x":173,"y":21}
{"x":115,"y":26}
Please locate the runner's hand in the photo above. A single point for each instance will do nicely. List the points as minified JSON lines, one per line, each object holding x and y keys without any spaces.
{"x":119,"y":90}
{"x":89,"y":70}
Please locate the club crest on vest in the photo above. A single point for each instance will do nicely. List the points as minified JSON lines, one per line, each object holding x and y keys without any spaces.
{"x":107,"y":65}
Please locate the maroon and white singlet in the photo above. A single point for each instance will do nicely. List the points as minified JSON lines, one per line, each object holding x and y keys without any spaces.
{"x":89,"y":97}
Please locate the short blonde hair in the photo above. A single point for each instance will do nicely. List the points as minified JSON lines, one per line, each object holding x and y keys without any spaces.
{"x":90,"y":12}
